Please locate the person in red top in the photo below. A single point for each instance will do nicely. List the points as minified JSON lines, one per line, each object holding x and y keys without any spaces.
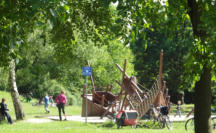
{"x":61,"y":100}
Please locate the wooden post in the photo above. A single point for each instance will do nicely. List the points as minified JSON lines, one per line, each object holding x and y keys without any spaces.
{"x":161,"y":70}
{"x":123,"y":103}
{"x":102,"y":101}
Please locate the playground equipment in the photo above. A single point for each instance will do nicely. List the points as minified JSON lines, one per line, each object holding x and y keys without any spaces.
{"x":99,"y":102}
{"x":132,"y":96}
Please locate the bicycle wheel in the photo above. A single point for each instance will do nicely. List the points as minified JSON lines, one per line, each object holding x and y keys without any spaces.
{"x":168,"y":122}
{"x":213,"y":123}
{"x":161,"y":121}
{"x":189,"y":125}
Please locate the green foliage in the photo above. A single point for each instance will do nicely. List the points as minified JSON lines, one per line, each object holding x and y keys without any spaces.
{"x":102,"y":59}
{"x":4,"y":78}
{"x":45,"y":67}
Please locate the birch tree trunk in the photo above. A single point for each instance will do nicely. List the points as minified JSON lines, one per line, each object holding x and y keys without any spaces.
{"x":14,"y":92}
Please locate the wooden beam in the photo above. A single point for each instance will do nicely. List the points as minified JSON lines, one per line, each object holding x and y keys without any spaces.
{"x":161,"y":70}
{"x":107,"y":111}
{"x":135,"y":85}
{"x":102,"y":100}
{"x":122,"y":70}
{"x":126,"y":76}
{"x":123,"y":101}
{"x":130,"y":104}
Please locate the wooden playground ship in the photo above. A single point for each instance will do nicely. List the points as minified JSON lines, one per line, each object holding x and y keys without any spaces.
{"x":132,"y":95}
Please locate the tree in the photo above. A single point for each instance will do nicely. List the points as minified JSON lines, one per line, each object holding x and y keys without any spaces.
{"x":152,"y":13}
{"x":203,"y":86}
{"x":17,"y":17}
{"x":14,"y":92}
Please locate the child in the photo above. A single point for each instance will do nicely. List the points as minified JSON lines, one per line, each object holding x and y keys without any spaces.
{"x":178,"y":109}
{"x":46,"y":103}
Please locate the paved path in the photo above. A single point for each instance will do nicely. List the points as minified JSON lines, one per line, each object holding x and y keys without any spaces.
{"x":178,"y":119}
{"x":37,"y":120}
{"x":90,"y":119}
{"x":99,"y":120}
{"x":80,"y":119}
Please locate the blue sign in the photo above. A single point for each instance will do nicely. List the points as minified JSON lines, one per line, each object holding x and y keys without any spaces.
{"x":86,"y":71}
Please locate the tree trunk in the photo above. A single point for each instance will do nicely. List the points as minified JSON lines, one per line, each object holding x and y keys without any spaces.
{"x":203,"y":102}
{"x":202,"y":112}
{"x":14,"y":92}
{"x":182,"y":97}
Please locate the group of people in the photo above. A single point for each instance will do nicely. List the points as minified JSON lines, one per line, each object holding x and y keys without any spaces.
{"x":61,"y":100}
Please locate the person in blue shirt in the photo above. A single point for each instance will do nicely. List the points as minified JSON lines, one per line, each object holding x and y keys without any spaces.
{"x":46,"y":103}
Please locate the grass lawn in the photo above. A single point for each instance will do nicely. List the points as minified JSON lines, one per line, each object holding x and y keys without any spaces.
{"x":77,"y":127}
{"x":69,"y":126}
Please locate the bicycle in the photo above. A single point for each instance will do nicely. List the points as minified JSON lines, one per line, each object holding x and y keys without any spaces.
{"x":161,"y":117}
{"x":189,"y":124}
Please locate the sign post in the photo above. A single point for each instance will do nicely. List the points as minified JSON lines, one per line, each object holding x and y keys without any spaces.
{"x":86,"y":71}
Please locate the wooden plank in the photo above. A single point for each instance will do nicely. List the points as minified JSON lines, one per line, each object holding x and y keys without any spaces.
{"x":107,"y":111}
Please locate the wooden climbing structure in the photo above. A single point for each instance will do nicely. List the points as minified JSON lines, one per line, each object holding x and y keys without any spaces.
{"x":100,"y":102}
{"x":131,"y":96}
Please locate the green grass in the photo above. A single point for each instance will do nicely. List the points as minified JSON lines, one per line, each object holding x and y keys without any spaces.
{"x":77,"y":127}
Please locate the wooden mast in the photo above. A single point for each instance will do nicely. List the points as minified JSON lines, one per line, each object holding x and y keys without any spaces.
{"x":161,"y":70}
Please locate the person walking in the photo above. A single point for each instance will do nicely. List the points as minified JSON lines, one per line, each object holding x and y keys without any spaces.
{"x":4,"y":110}
{"x":178,"y":109}
{"x":61,"y":100}
{"x":46,"y":103}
